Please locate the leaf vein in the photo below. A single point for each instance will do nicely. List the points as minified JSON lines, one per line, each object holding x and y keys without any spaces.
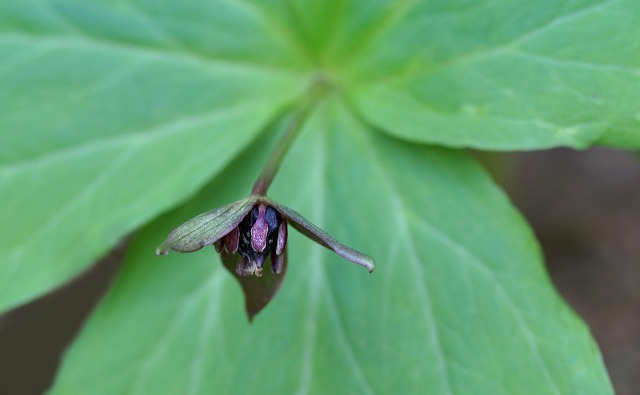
{"x":45,"y":228}
{"x":314,"y":286}
{"x":187,"y":305}
{"x":140,"y":137}
{"x":399,"y":207}
{"x":575,"y":63}
{"x":56,"y":41}
{"x":344,"y":339}
{"x":205,"y":334}
{"x":463,"y":251}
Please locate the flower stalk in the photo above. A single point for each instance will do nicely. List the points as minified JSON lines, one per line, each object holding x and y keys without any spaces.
{"x":292,"y":128}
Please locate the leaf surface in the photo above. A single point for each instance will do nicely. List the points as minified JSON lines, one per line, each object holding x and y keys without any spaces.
{"x":459,"y":302}
{"x":111,"y":113}
{"x":513,"y":75}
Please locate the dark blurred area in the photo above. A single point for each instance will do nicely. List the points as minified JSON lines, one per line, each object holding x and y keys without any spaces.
{"x":34,"y":335}
{"x":584,"y":208}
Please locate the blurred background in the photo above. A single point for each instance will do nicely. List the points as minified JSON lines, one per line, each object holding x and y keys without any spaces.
{"x":585,"y":210}
{"x":584,"y":207}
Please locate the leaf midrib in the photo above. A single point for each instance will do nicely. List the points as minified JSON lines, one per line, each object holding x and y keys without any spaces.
{"x":128,"y":139}
{"x":434,"y":335}
{"x":402,"y":207}
{"x":184,"y":56}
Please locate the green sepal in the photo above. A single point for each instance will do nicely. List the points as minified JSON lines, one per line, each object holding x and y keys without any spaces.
{"x":207,"y":228}
{"x":321,"y":237}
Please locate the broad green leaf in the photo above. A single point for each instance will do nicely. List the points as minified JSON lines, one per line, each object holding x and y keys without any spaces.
{"x":459,"y":302}
{"x":503,"y":74}
{"x":112,"y":112}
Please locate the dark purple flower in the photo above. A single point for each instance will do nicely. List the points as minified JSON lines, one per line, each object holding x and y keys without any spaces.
{"x":260,"y":235}
{"x":250,"y":234}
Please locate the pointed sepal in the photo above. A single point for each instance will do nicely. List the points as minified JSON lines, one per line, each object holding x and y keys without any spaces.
{"x":207,"y":228}
{"x":321,"y":237}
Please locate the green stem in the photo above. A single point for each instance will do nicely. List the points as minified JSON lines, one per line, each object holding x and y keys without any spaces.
{"x":291,"y":129}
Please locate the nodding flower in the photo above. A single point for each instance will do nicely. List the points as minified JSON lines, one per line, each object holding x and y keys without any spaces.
{"x":254,"y":229}
{"x":250,"y":234}
{"x":260,"y":235}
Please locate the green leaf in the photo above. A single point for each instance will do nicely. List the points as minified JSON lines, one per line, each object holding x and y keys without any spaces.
{"x":504,"y":74}
{"x":112,"y":113}
{"x":459,"y":303}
